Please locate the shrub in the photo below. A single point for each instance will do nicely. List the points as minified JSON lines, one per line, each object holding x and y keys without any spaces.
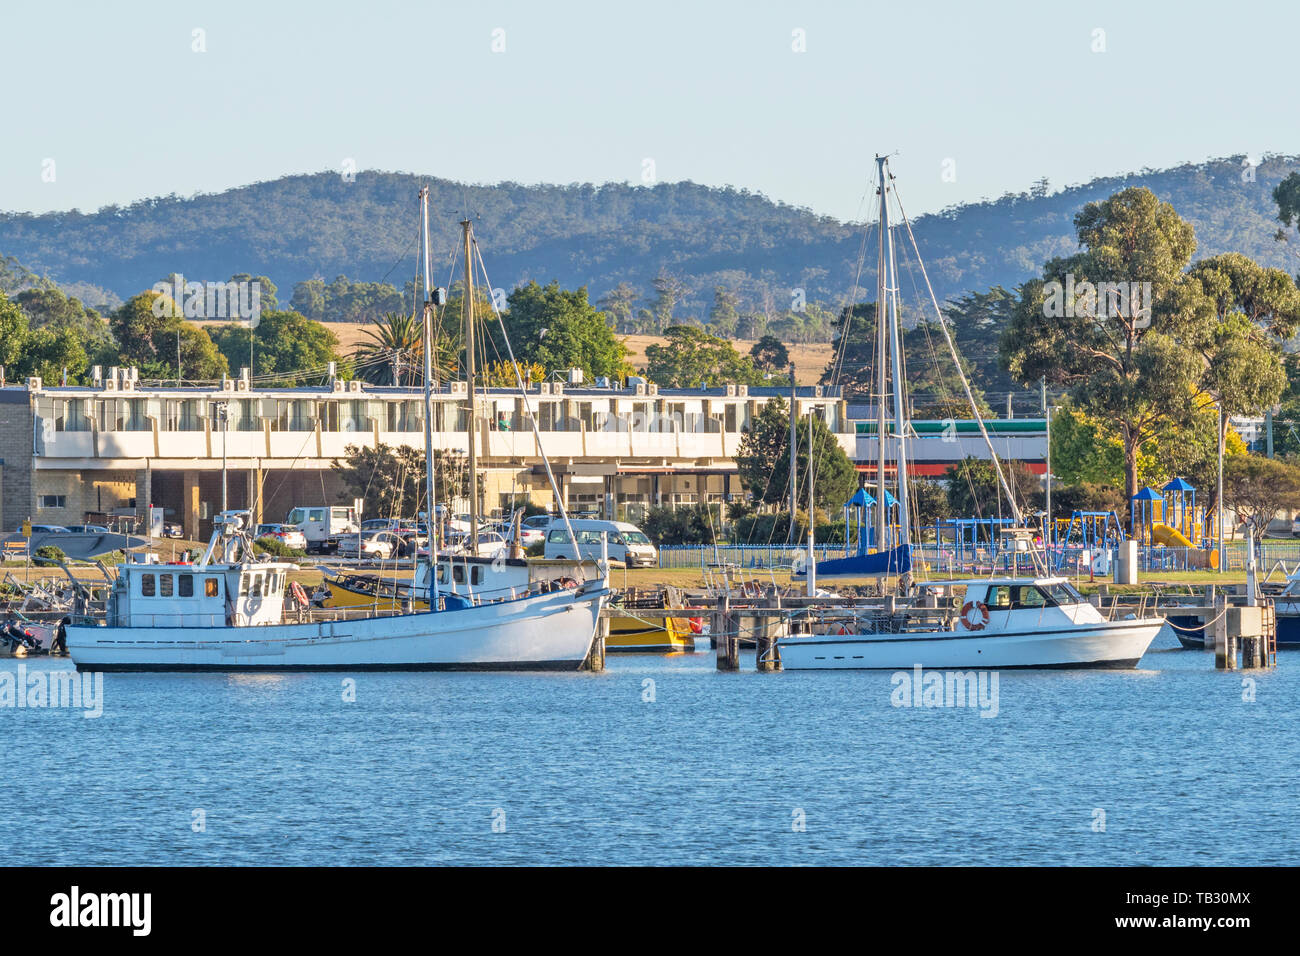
{"x":279,"y":548}
{"x":49,"y":554}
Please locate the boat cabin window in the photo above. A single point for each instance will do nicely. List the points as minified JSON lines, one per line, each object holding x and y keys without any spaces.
{"x":458,"y":574}
{"x":1063,"y":593}
{"x":148,"y":585}
{"x":185,"y":585}
{"x":1011,"y":597}
{"x":164,"y":585}
{"x":1016,"y":596}
{"x":211,"y":587}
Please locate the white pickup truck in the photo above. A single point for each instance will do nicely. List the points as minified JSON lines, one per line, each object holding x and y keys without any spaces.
{"x":323,"y":525}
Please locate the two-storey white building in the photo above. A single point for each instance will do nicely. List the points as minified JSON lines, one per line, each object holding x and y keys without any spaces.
{"x":71,"y":454}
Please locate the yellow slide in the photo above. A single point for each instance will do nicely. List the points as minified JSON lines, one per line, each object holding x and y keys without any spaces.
{"x":1173,"y":538}
{"x":1169,"y":537}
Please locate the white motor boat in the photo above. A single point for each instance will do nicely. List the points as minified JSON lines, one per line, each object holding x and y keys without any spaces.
{"x":1013,"y":622}
{"x":229,"y":613}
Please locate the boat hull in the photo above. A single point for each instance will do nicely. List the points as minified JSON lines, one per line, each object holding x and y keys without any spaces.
{"x":648,"y":634}
{"x":1118,"y":644}
{"x":551,"y":631}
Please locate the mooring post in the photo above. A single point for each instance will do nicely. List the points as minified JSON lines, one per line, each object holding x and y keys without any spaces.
{"x":596,"y":656}
{"x":1225,"y":655}
{"x":1207,"y":632}
{"x":767,"y":655}
{"x":725,"y":636}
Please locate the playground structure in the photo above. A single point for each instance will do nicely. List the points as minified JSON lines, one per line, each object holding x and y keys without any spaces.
{"x":859,"y":527}
{"x":971,"y":545}
{"x":1172,"y":532}
{"x":1088,"y":540}
{"x":1179,"y":535}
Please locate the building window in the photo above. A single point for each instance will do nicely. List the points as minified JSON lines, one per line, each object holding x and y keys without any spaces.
{"x":52,"y":501}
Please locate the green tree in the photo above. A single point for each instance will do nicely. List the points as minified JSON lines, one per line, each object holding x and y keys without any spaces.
{"x":559,"y":329}
{"x":152,"y":336}
{"x":724,"y":316}
{"x":689,"y":357}
{"x":309,"y":299}
{"x":285,"y":344}
{"x":763,"y":460}
{"x":1254,"y":309}
{"x":1257,"y":488}
{"x":389,"y":480}
{"x":391,"y":350}
{"x":1127,"y":361}
{"x":619,"y":303}
{"x":770,"y":354}
{"x":974,"y":489}
{"x":696,"y":524}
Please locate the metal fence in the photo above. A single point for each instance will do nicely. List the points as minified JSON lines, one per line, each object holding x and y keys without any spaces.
{"x":941,"y":559}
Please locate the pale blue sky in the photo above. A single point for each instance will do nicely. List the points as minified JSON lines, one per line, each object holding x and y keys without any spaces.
{"x":710,"y":91}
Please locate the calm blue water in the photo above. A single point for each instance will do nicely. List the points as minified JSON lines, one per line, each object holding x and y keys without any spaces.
{"x":711,"y":772}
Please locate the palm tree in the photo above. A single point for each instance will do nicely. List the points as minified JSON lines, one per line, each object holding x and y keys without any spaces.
{"x":391,"y":353}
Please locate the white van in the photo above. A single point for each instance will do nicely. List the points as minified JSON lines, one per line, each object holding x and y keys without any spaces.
{"x":322,"y":526}
{"x":627,"y":542}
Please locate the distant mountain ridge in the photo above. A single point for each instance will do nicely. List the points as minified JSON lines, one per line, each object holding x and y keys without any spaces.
{"x":301,"y":227}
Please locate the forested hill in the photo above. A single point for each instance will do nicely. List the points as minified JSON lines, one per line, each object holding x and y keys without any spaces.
{"x":301,"y":227}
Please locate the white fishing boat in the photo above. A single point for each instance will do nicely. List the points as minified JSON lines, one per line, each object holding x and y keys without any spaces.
{"x":234,"y":612}
{"x":228,"y":612}
{"x":1013,"y":622}
{"x":1034,"y":621}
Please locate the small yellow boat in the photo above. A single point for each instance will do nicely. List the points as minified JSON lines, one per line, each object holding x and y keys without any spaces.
{"x":368,"y":591}
{"x":638,"y":628}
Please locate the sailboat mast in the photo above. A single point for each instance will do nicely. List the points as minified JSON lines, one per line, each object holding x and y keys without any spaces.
{"x":473,"y":397}
{"x":794,"y":479}
{"x":900,"y":411}
{"x":880,"y":360}
{"x":812,"y":521}
{"x":429,"y":483}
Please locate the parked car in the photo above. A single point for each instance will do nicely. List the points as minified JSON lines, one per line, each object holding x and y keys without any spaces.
{"x":538,"y":522}
{"x":46,"y":529}
{"x":172,"y":530}
{"x":627,"y":542}
{"x":288,"y":535}
{"x":324,"y":526}
{"x":87,"y":529}
{"x":369,"y":544}
{"x":488,"y":545}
